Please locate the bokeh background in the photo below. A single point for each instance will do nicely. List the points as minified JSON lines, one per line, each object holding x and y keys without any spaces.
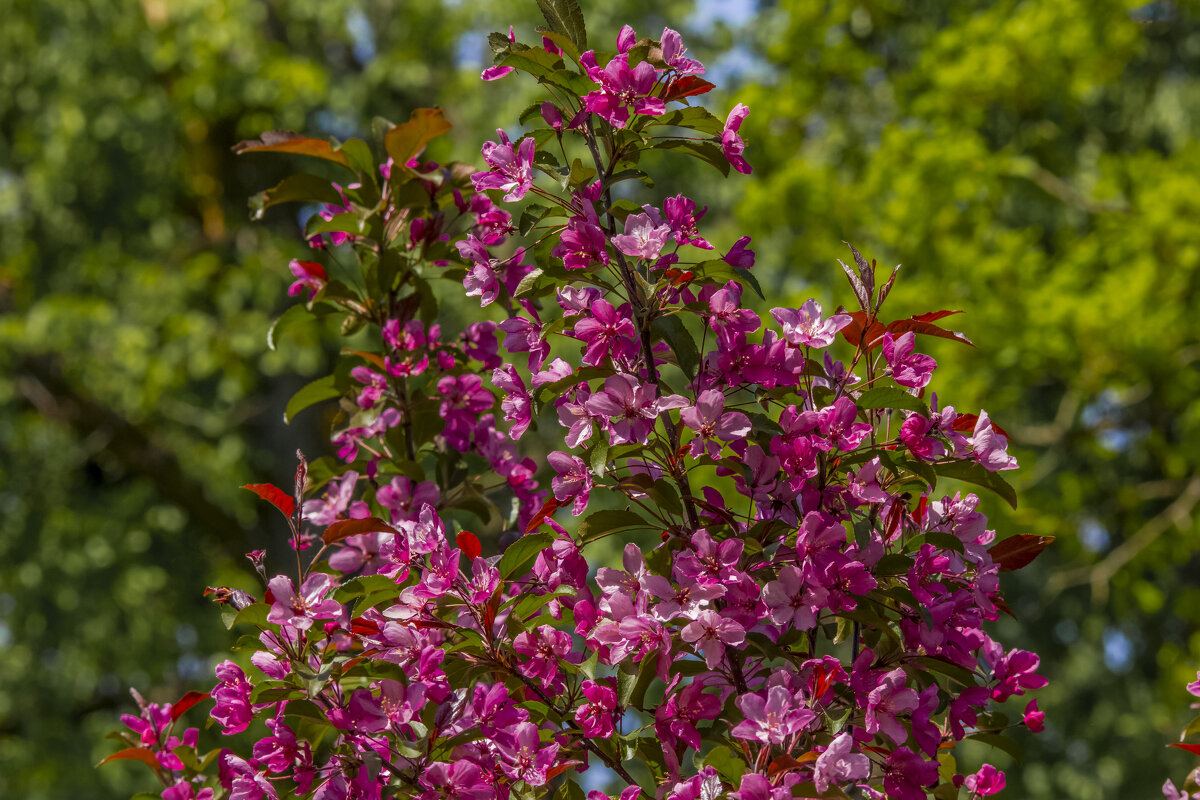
{"x":1032,"y":162}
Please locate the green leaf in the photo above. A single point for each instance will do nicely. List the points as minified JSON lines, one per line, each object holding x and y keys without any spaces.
{"x":748,"y":276}
{"x":696,"y":118}
{"x":315,"y":392}
{"x":707,"y":152}
{"x":972,"y":472}
{"x":891,"y":397}
{"x":609,"y":521}
{"x":565,"y":17}
{"x":254,"y":614}
{"x":296,"y":314}
{"x":599,"y":456}
{"x":302,"y":187}
{"x":893,"y":564}
{"x":364,"y":585}
{"x":532,"y":215}
{"x":726,"y":763}
{"x":950,"y":670}
{"x":358,"y":153}
{"x":687,"y":355}
{"x":1000,"y":742}
{"x":523,"y":550}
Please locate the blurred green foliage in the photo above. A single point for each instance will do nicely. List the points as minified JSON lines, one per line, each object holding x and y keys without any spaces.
{"x":1031,"y":163}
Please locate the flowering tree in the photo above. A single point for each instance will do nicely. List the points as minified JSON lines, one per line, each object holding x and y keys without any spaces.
{"x":797,"y":613}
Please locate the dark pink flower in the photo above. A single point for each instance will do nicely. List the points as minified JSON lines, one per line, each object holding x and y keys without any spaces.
{"x":681,"y":215}
{"x":913,"y":433}
{"x":517,"y":404}
{"x":511,"y":168}
{"x":524,"y":757}
{"x":731,"y":143}
{"x":986,"y":782}
{"x":607,"y":333}
{"x":1034,"y":719}
{"x":887,"y":700}
{"x":740,"y":255}
{"x":622,"y":87}
{"x":596,"y":716}
{"x":906,"y":773}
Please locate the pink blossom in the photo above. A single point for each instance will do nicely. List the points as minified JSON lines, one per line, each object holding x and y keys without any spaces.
{"x":681,"y":215}
{"x":837,"y":424}
{"x":906,"y":773}
{"x":300,"y":609}
{"x":524,"y":757}
{"x":621,"y":87}
{"x":517,"y":404}
{"x":573,"y":481}
{"x":792,"y":601}
{"x":1034,"y":719}
{"x":990,"y":447}
{"x":405,"y":497}
{"x":773,"y":719}
{"x":839,"y":764}
{"x":910,"y":369}
{"x":645,"y":234}
{"x":607,"y":333}
{"x":731,"y":143}
{"x":511,"y":168}
{"x":596,"y":716}
{"x":710,"y":633}
{"x":913,"y":433}
{"x":804,"y":327}
{"x":673,"y":53}
{"x":310,"y":275}
{"x":986,"y":782}
{"x":707,"y":419}
{"x":889,"y":698}
{"x":740,"y":255}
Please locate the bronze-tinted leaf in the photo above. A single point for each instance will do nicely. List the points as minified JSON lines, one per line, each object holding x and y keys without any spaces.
{"x":352,"y":527}
{"x":292,"y":142}
{"x":405,"y":142}
{"x":1018,"y":551}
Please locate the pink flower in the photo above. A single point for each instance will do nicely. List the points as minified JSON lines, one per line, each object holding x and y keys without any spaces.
{"x":620,"y":87}
{"x":645,"y":234}
{"x":581,"y":243}
{"x":912,"y":433}
{"x":910,"y":369}
{"x":310,"y":275}
{"x":632,"y":407}
{"x":405,"y":498}
{"x":906,"y":773}
{"x":573,"y":481}
{"x":517,"y":404}
{"x":596,"y":716}
{"x":740,"y":255}
{"x":731,"y":143}
{"x":524,"y":757}
{"x":682,"y":217}
{"x":495,"y":73}
{"x":840,"y":764}
{"x":300,"y":609}
{"x":804,"y":327}
{"x":480,"y":280}
{"x":792,"y":600}
{"x":886,"y":700}
{"x":990,"y":447}
{"x":673,"y":53}
{"x":771,"y":720}
{"x":675,"y":720}
{"x":837,"y":424}
{"x":986,"y":782}
{"x":607,"y":333}
{"x":710,"y":632}
{"x":511,"y":168}
{"x":707,"y":419}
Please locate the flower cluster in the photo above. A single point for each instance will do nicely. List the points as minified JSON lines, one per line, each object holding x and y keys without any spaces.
{"x":797,"y":613}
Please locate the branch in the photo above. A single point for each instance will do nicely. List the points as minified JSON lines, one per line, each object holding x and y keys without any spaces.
{"x":1099,"y":574}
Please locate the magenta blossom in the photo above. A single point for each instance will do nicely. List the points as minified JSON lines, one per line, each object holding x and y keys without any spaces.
{"x":511,"y":168}
{"x":990,"y":447}
{"x":673,"y":53}
{"x":524,"y":757}
{"x":910,"y":369}
{"x":1034,"y":719}
{"x":607,"y":333}
{"x":596,"y":716}
{"x":710,"y":633}
{"x":645,"y":234}
{"x":622,"y":87}
{"x":710,"y":424}
{"x":573,"y":481}
{"x":986,"y":782}
{"x":774,"y":719}
{"x":731,"y":143}
{"x":309,"y":275}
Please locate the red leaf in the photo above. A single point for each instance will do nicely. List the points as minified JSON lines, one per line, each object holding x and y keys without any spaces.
{"x":374,"y":358}
{"x":469,"y":544}
{"x":687,"y":86}
{"x":547,"y":510}
{"x":143,"y":754}
{"x":854,"y":332}
{"x":187,"y":701}
{"x":1191,"y":748}
{"x":933,"y":316}
{"x":352,"y":527}
{"x":314,"y":269}
{"x":929,"y":329}
{"x":1002,"y":604}
{"x":291,"y":142}
{"x":275,"y":496}
{"x":1018,"y":551}
{"x":363,"y":627}
{"x":966,"y":422}
{"x":558,"y":769}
